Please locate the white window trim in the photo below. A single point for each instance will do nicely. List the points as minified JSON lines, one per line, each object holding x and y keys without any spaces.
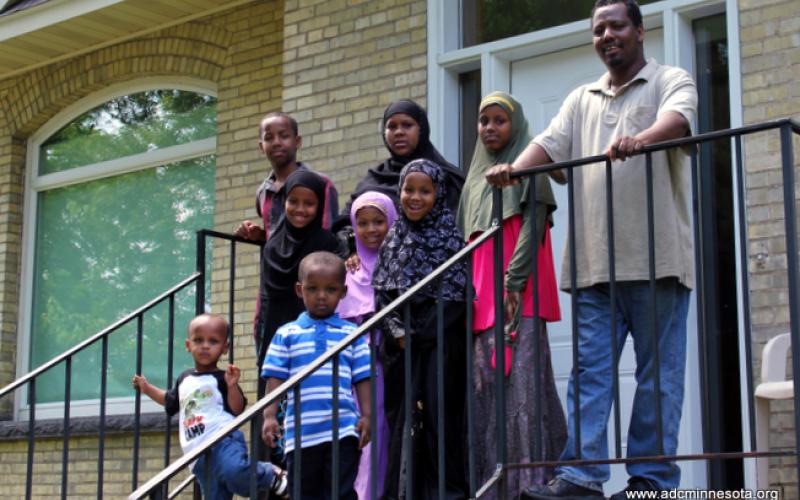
{"x":446,"y":61}
{"x":35,"y":183}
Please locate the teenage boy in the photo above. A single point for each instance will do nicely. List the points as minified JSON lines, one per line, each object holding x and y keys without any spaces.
{"x":278,"y":140}
{"x":208,"y":399}
{"x":296,"y":345}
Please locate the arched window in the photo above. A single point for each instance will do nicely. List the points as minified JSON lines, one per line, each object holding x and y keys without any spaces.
{"x":114,"y":199}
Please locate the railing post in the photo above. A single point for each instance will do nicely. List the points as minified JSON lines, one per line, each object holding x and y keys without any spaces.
{"x":408,"y":401}
{"x":231,"y":295}
{"x":470,"y":294}
{"x":790,"y":214}
{"x":612,"y":300}
{"x":137,"y":403}
{"x":373,"y":417}
{"x":200,"y":267}
{"x":573,"y":273}
{"x":440,"y":444}
{"x":651,"y":251}
{"x":335,"y":428}
{"x":102,"y":432}
{"x":31,"y":437}
{"x":499,"y":339}
{"x":745,"y":287}
{"x":65,"y":450}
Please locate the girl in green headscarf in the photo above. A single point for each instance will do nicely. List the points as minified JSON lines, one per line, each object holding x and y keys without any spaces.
{"x":503,"y":134}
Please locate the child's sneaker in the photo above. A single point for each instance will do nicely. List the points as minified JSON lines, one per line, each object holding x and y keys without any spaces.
{"x":280,"y":483}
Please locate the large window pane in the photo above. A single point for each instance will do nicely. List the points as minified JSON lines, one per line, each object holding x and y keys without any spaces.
{"x":105,"y":247}
{"x":489,"y":20}
{"x":128,"y":125}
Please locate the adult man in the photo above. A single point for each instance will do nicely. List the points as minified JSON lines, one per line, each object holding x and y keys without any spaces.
{"x":636,"y":103}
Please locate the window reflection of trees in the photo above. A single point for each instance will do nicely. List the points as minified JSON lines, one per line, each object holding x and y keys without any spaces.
{"x":496,"y":19}
{"x":129,"y":125}
{"x":107,"y":246}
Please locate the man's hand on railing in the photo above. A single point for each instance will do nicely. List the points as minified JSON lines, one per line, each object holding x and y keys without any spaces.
{"x":250,"y":231}
{"x":624,"y":147}
{"x":500,"y":175}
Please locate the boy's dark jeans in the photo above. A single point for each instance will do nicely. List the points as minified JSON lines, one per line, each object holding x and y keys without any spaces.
{"x":317,"y":468}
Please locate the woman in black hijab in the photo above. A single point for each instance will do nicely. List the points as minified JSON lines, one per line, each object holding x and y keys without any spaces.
{"x":407,"y":135}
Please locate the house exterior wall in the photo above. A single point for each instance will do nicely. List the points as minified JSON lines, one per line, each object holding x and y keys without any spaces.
{"x":335,"y":65}
{"x":344,"y":62}
{"x":82,"y":482}
{"x":11,"y":175}
{"x":240,"y":53}
{"x":770,"y":68}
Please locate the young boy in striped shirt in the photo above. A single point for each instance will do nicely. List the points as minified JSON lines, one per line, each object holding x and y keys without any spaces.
{"x":295,"y":346}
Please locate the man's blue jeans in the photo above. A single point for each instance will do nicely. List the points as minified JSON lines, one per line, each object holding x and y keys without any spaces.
{"x":230,"y":470}
{"x":596,"y":384}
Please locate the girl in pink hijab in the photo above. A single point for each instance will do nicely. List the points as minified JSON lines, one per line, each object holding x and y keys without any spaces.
{"x":371,"y":215}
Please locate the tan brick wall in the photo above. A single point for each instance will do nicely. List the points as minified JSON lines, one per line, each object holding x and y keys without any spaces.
{"x":11,"y":174}
{"x":770,"y":46}
{"x":240,"y":51}
{"x":82,"y":480}
{"x":344,"y":61}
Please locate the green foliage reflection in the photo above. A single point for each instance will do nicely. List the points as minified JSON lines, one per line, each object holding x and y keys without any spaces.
{"x":106,"y":247}
{"x":129,"y":125}
{"x":496,"y":19}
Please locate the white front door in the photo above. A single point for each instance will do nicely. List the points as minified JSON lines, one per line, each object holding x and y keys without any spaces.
{"x":541,"y":84}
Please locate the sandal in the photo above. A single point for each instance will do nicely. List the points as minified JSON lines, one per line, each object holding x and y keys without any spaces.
{"x":280,"y":483}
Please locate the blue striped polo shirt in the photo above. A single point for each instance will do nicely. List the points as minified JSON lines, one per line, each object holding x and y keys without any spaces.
{"x":295,"y":346}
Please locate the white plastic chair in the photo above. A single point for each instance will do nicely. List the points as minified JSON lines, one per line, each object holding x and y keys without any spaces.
{"x":774,"y":385}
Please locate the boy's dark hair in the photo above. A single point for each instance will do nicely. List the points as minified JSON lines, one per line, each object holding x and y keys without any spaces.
{"x":277,"y":114}
{"x":323,"y":259}
{"x":634,"y":14}
{"x":223,"y":323}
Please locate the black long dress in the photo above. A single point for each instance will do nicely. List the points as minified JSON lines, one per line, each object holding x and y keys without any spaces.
{"x":411,"y":251}
{"x":424,"y":425}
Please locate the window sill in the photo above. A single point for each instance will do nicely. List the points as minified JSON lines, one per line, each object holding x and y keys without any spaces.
{"x":84,"y":426}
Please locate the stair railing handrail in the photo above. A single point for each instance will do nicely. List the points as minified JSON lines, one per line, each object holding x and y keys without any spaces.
{"x":120,"y":322}
{"x":692,"y":140}
{"x":152,"y":485}
{"x":248,"y":414}
{"x":99,"y":335}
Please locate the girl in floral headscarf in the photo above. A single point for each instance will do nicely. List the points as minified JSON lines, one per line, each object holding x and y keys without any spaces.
{"x":424,"y":237}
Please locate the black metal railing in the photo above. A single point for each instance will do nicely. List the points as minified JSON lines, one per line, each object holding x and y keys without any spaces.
{"x":157,"y":486}
{"x":137,"y":317}
{"x":154,"y":488}
{"x":786,"y":128}
{"x":497,"y":481}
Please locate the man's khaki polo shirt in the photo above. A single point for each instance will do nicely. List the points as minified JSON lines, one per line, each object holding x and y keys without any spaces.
{"x":589,"y":120}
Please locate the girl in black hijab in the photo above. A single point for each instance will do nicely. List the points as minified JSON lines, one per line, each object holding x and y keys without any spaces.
{"x":298,"y":234}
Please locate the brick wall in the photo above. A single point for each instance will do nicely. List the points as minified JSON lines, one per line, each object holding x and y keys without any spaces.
{"x":82,"y":481}
{"x":770,"y":46}
{"x":344,"y":61}
{"x":11,"y":174}
{"x":239,"y":52}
